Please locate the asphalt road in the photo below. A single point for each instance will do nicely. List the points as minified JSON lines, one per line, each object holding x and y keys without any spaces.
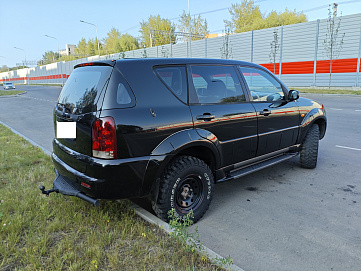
{"x":281,"y":218}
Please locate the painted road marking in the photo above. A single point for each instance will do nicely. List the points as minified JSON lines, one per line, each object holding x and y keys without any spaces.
{"x":357,"y":110}
{"x":349,"y":148}
{"x":338,"y":109}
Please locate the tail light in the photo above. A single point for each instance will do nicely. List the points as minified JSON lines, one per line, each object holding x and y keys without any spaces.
{"x":104,"y":138}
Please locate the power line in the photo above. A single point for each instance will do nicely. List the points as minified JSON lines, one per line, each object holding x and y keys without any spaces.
{"x":326,"y":6}
{"x":220,"y":9}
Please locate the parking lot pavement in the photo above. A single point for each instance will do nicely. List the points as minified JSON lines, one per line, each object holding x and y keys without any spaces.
{"x":280,"y":218}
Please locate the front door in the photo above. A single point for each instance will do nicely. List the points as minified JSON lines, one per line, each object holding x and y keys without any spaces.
{"x":219,"y":105}
{"x":278,"y":120}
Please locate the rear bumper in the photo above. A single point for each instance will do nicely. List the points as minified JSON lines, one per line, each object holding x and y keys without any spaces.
{"x":102,"y":179}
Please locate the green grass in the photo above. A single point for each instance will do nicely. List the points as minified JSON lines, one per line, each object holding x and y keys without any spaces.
{"x":328,"y":91}
{"x":66,"y":233}
{"x":10,"y":92}
{"x":47,"y":85}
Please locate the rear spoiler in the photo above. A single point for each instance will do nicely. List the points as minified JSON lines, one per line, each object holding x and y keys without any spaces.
{"x":96,"y":63}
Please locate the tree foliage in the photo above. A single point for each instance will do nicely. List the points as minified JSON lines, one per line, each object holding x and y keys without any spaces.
{"x":275,"y":46}
{"x":247,"y":16}
{"x":115,"y":42}
{"x":4,"y":68}
{"x":49,"y":57}
{"x":81,"y":48}
{"x":157,"y":31}
{"x":197,"y":26}
{"x":333,"y":41}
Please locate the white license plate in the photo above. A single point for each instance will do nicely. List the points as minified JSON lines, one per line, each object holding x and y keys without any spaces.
{"x":65,"y":129}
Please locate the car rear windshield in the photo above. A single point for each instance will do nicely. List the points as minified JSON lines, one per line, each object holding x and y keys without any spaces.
{"x":82,"y":89}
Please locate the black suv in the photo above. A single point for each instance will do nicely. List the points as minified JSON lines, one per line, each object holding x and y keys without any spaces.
{"x":168,"y":129}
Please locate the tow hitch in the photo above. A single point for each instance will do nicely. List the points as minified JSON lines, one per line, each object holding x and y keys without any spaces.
{"x":66,"y":187}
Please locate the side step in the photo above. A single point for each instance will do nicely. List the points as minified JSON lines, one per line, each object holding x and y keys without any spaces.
{"x":65,"y":186}
{"x":236,"y":173}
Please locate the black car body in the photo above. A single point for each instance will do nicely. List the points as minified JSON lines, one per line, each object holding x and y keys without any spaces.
{"x":168,"y":129}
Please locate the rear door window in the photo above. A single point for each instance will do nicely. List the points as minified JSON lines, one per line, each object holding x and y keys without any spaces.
{"x":83,"y":88}
{"x":217,"y":85}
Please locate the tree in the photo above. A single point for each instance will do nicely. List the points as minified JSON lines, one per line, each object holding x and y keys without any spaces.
{"x":116,"y":42}
{"x":275,"y":46}
{"x":81,"y":48}
{"x":226,"y":49}
{"x":247,"y":16}
{"x":333,"y":41}
{"x":112,"y":41}
{"x":4,"y":68}
{"x":197,"y":26}
{"x":90,"y":49}
{"x":128,"y":42}
{"x":48,"y":57}
{"x":157,"y":31}
{"x":144,"y":54}
{"x":244,"y":16}
{"x":287,"y":17}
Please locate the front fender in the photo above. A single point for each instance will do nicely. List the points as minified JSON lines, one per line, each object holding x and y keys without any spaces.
{"x":315,"y":115}
{"x":171,"y":146}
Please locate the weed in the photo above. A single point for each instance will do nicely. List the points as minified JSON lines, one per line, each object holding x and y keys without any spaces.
{"x":191,"y":241}
{"x":180,"y":232}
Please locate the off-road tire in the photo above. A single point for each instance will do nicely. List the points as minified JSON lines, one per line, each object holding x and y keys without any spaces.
{"x":309,"y":148}
{"x":186,"y":184}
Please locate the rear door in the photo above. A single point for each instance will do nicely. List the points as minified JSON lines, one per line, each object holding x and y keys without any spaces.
{"x":219,"y":105}
{"x":78,"y":106}
{"x":278,"y":120}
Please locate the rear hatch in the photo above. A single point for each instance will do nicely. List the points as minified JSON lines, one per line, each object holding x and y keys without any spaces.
{"x":79,"y":105}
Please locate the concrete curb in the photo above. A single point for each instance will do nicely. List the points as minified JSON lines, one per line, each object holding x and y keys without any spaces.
{"x":28,"y":139}
{"x":147,"y":216}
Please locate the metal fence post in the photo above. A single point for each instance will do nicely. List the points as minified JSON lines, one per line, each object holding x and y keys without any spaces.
{"x":316,"y":50}
{"x":358,"y":63}
{"x":252,"y":48}
{"x":281,"y":47}
{"x":205,"y":47}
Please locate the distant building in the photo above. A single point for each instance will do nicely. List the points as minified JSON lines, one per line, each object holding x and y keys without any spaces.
{"x":209,"y":36}
{"x":69,"y":50}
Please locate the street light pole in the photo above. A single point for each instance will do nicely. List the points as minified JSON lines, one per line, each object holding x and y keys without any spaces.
{"x":24,"y":53}
{"x":61,"y":69}
{"x":97,"y":34}
{"x":58,"y":44}
{"x":24,"y":62}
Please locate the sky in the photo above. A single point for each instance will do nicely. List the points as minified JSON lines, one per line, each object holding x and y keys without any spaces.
{"x":24,"y":23}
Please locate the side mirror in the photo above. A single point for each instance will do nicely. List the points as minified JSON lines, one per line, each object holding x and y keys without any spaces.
{"x":293,"y":95}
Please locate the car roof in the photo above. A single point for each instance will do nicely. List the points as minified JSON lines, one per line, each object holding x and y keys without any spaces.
{"x":169,"y":61}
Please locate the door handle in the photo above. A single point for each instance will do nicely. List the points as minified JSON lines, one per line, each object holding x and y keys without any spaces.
{"x":265,"y":112}
{"x":205,"y":117}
